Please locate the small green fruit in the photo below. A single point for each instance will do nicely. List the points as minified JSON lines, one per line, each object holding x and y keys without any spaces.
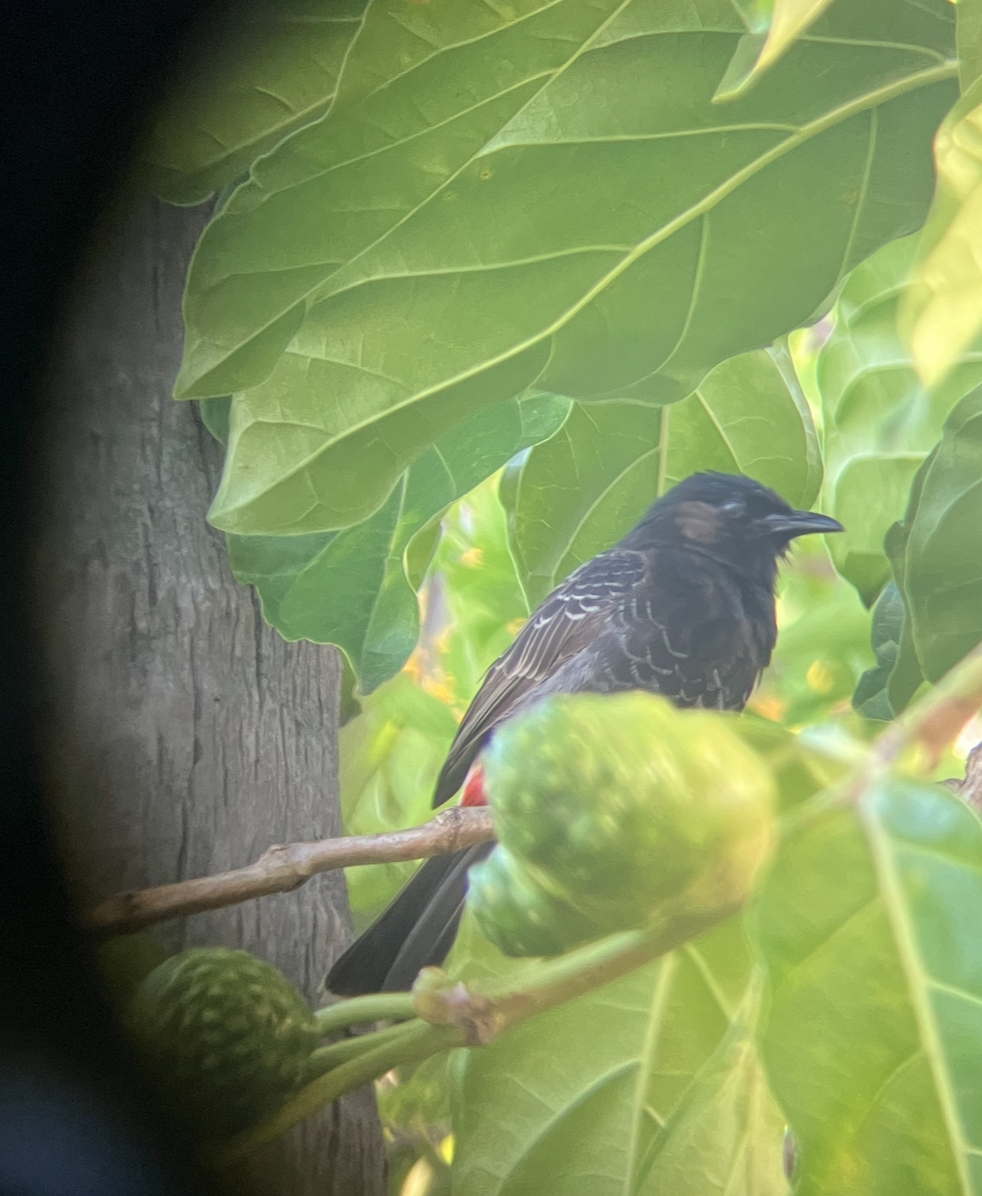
{"x":519,"y":914}
{"x":226,"y":1036}
{"x":608,"y":808}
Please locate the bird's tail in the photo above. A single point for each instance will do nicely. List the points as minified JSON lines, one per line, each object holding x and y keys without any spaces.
{"x":415,"y":931}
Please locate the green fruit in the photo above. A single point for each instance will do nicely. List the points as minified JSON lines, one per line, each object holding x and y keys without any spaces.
{"x":225,"y":1034}
{"x":519,"y":914}
{"x":610,"y":807}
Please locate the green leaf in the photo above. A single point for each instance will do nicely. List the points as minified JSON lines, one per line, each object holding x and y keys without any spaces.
{"x":295,"y":465}
{"x":968,"y":28}
{"x":726,"y":1135}
{"x":272,"y":71}
{"x":586,"y":487}
{"x":868,"y":493}
{"x":766,"y":42}
{"x":941,"y":545}
{"x":571,"y":1101}
{"x":942,"y":311}
{"x":879,"y":420}
{"x":215,"y":416}
{"x":422,"y":91}
{"x":351,"y":588}
{"x":905,"y":677}
{"x":871,"y":698}
{"x":582,"y":490}
{"x":869,"y":929}
{"x":547,"y":196}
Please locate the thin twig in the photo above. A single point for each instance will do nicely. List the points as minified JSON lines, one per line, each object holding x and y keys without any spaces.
{"x":543,"y":985}
{"x":932,"y":723}
{"x":281,"y":869}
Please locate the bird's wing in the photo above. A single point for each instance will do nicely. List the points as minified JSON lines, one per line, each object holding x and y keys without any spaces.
{"x":566,"y":622}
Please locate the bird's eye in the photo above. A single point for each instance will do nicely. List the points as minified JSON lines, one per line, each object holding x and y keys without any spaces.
{"x":734,"y":508}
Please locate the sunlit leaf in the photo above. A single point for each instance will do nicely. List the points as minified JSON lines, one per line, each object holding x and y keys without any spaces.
{"x":879,"y":420}
{"x":726,"y":1135}
{"x":822,"y":644}
{"x":586,"y":487}
{"x":547,"y":196}
{"x":571,"y":1101}
{"x":271,"y":69}
{"x":940,"y":542}
{"x":476,"y":583}
{"x":942,"y":311}
{"x":873,"y":1027}
{"x":351,"y":588}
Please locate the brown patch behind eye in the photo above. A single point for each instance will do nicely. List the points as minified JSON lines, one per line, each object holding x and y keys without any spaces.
{"x":698,"y":521}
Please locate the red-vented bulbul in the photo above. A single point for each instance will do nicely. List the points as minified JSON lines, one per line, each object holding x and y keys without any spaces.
{"x":683,"y":606}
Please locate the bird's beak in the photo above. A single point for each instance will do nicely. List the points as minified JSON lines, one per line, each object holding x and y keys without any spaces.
{"x":798,"y":523}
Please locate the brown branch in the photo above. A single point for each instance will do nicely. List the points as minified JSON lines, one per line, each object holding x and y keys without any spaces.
{"x":283,"y":868}
{"x":931,"y":724}
{"x":969,"y":788}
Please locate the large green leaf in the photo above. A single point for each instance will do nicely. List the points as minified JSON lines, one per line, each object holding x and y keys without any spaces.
{"x":942,"y":310}
{"x":571,"y":1101}
{"x":351,"y":588}
{"x":869,"y":928}
{"x":294,"y":465}
{"x":546,"y":195}
{"x":424,"y":88}
{"x":587,"y":486}
{"x":938,"y":548}
{"x":879,"y":420}
{"x":271,"y":69}
{"x":725,"y":1137}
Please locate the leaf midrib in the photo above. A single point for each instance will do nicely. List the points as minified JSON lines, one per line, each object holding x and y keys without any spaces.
{"x":646,"y":1062}
{"x":918,"y":980}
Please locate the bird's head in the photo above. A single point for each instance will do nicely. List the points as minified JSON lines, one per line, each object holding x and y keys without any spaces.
{"x":730,"y":516}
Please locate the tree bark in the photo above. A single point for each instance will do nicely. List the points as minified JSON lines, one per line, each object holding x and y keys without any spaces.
{"x":184,"y":736}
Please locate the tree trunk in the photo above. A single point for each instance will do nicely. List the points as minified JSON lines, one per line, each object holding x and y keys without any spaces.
{"x":184,"y":736}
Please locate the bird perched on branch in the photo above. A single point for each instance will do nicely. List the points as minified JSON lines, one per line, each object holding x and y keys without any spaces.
{"x":682,"y":606}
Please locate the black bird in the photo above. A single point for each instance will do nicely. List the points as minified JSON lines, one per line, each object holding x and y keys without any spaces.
{"x":683,"y":606}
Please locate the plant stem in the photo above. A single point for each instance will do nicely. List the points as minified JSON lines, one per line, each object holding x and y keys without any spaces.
{"x":374,"y":1007}
{"x":326,"y":1058}
{"x":931,"y":724}
{"x":554,"y":982}
{"x":545,"y":985}
{"x":415,"y":1040}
